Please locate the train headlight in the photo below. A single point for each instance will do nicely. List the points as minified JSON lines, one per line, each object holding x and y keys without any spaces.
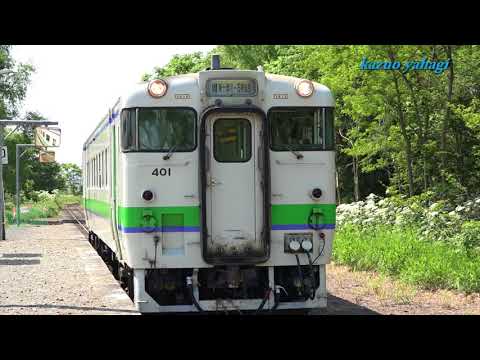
{"x":147,"y":195}
{"x":305,"y":88}
{"x":157,"y":88}
{"x":307,"y":245}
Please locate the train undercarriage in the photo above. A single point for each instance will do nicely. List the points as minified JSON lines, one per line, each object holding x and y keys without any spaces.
{"x":244,"y":289}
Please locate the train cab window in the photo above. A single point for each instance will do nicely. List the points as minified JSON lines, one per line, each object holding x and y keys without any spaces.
{"x":159,"y":130}
{"x":166,"y":129}
{"x":301,"y":129}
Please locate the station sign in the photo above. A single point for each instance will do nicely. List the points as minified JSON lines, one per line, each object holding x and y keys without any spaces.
{"x":47,"y":136}
{"x":47,"y":156}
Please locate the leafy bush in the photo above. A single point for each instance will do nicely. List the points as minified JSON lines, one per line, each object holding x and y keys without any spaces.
{"x":47,"y":205}
{"x":402,"y":254}
{"x":432,"y":244}
{"x":435,"y":221}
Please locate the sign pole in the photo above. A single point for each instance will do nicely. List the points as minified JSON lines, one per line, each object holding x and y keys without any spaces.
{"x":2,"y":203}
{"x":3,"y":123}
{"x":18,"y":148}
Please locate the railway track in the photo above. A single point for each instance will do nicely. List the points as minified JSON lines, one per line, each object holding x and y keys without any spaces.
{"x":75,"y":214}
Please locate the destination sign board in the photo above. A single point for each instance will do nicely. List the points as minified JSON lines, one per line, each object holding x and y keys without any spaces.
{"x":231,"y":87}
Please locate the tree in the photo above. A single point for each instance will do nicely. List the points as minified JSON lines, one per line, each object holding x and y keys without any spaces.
{"x":73,"y":178}
{"x":179,"y":64}
{"x":13,"y":85}
{"x":398,"y":132}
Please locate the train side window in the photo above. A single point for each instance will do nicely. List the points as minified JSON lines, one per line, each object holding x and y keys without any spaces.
{"x":106,"y":167}
{"x":105,"y":171}
{"x":100,"y":170}
{"x":129,"y":130}
{"x":329,"y":129}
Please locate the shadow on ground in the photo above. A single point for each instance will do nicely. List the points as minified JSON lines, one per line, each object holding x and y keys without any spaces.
{"x":21,"y":255}
{"x":339,"y":306}
{"x":19,"y":262}
{"x":68,"y":307}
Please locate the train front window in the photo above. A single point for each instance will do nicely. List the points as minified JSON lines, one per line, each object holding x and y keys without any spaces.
{"x":301,"y":129}
{"x":162,"y":130}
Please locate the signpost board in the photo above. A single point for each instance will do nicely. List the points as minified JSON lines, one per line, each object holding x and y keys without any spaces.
{"x":47,"y":136}
{"x":47,"y":156}
{"x":4,"y":156}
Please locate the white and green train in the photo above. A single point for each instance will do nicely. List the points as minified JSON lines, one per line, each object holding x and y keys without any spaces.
{"x":215,"y":191}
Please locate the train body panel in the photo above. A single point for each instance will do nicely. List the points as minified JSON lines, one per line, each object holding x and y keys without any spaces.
{"x":202,"y":193}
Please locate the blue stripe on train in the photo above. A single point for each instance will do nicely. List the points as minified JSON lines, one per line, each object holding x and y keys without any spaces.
{"x":135,"y":230}
{"x":303,"y":227}
{"x":143,"y":229}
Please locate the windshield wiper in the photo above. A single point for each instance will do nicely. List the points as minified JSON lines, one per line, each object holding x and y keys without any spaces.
{"x":170,"y":153}
{"x":296,"y":153}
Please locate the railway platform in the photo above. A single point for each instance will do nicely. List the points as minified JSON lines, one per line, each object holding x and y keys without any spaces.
{"x":53,"y":269}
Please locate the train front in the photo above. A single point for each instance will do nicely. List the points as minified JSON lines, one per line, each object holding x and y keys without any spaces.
{"x":227,"y":192}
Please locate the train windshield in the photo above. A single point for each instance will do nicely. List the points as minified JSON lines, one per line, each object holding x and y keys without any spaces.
{"x":301,"y":129}
{"x":162,"y":130}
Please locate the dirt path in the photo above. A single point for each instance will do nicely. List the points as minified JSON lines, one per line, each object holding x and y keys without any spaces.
{"x":362,"y":292}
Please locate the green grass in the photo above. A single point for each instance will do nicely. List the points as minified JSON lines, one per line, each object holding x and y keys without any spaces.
{"x":402,"y":255}
{"x":42,"y":209}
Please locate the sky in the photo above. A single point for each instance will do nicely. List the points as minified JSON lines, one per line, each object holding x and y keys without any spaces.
{"x":76,"y":84}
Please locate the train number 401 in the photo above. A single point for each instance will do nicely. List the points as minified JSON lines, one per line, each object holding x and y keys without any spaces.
{"x":162,"y":172}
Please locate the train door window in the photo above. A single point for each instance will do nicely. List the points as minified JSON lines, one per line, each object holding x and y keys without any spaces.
{"x":232,"y":140}
{"x":301,"y":129}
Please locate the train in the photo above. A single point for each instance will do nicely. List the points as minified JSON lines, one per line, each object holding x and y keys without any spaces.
{"x":215,"y":191}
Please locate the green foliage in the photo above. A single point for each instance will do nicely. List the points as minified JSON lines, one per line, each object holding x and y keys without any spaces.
{"x":72,"y":175}
{"x":13,"y":85}
{"x":180,"y":64}
{"x":46,"y":205}
{"x":403,"y":255}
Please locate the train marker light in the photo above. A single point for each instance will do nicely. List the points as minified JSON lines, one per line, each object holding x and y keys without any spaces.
{"x":316,"y":193}
{"x":157,"y":88}
{"x":147,"y":195}
{"x":305,"y":88}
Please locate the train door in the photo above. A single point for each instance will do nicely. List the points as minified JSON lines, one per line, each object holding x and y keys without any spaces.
{"x":234,"y":192}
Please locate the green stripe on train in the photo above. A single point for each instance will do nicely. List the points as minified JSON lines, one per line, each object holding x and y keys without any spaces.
{"x":101,"y":208}
{"x":281,"y":214}
{"x":134,"y":216}
{"x":299,"y":213}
